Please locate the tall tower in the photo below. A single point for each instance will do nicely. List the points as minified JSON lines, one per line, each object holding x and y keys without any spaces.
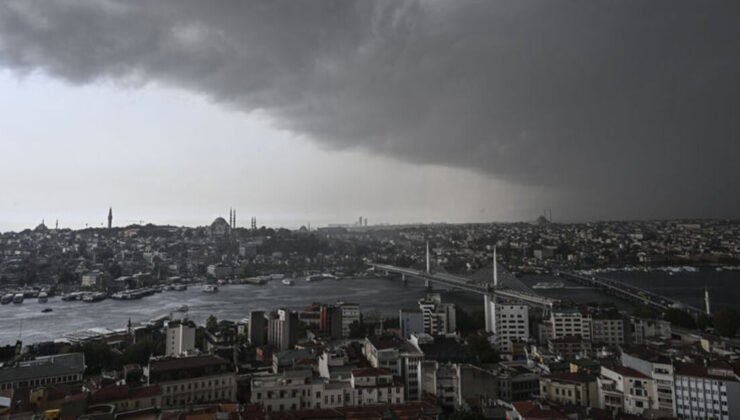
{"x":233,"y":220}
{"x":495,"y":269}
{"x":706,"y":301}
{"x":110,"y":217}
{"x":428,"y":260}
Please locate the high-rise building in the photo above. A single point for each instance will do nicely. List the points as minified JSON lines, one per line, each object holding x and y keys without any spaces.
{"x":350,"y":315}
{"x":282,"y":329}
{"x":180,"y":338}
{"x":567,"y":322}
{"x":710,"y":391}
{"x":257,"y":329}
{"x":330,"y":321}
{"x":410,"y":322}
{"x":511,"y":322}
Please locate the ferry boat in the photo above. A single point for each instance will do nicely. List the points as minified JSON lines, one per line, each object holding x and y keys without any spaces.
{"x":210,"y":288}
{"x":93,"y":297}
{"x":323,"y":276}
{"x":72,"y":296}
{"x":18,"y":298}
{"x":43,"y":297}
{"x":7,"y":298}
{"x":287,"y":282}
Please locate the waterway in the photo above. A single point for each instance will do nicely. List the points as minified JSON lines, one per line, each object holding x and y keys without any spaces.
{"x":383,"y":295}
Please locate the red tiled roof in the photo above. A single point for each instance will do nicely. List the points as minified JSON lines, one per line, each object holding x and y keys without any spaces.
{"x":530,"y":410}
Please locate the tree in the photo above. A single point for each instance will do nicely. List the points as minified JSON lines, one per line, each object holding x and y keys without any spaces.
{"x":726,"y":322}
{"x":481,"y":349}
{"x":357,"y":330}
{"x":469,"y":323}
{"x":703,"y":321}
{"x":211,"y":322}
{"x":680,"y":317}
{"x":141,"y":351}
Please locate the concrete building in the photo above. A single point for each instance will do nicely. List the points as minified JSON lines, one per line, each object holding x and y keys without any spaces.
{"x":570,"y":388}
{"x":282,"y":329}
{"x":330,"y":321}
{"x":257,"y":328}
{"x":439,"y":318}
{"x":93,"y":280}
{"x":180,"y":338}
{"x":65,"y":368}
{"x":298,"y":389}
{"x":376,"y":386}
{"x":192,"y":380}
{"x":607,"y":329}
{"x":660,"y":369}
{"x":511,"y":323}
{"x":570,"y":322}
{"x":350,"y":315}
{"x":644,"y":330}
{"x":707,"y":391}
{"x":634,"y":389}
{"x":454,"y":383}
{"x":410,"y":322}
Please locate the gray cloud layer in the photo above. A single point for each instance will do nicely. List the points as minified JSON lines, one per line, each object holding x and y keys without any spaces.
{"x":629,"y":105}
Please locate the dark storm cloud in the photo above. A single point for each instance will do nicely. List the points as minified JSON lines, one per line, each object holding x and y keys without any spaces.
{"x":631,"y":106}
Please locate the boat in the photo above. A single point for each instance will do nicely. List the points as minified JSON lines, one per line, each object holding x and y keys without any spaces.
{"x":43,"y":297}
{"x":287,"y":282}
{"x":183,"y":308}
{"x":72,"y":296}
{"x":46,"y":310}
{"x":210,"y":288}
{"x":7,"y":298}
{"x":18,"y":298}
{"x":180,"y":287}
{"x":93,"y":297}
{"x":317,"y":277}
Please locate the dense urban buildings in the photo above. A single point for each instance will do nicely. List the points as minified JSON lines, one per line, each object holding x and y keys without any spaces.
{"x":503,"y":357}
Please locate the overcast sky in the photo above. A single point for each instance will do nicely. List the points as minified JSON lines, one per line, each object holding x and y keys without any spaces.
{"x":172,"y":111}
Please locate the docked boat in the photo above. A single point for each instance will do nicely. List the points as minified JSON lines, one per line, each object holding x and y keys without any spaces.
{"x":46,"y":310}
{"x":318,"y":277}
{"x":210,"y":288}
{"x":93,"y":297}
{"x":18,"y":298}
{"x":180,"y":287}
{"x":73,"y":296}
{"x":43,"y":297}
{"x":7,"y":298}
{"x":287,"y":282}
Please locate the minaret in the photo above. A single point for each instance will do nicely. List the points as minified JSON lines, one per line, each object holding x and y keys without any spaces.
{"x":110,"y":217}
{"x":429,"y":271}
{"x":706,"y":301}
{"x":233,"y":222}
